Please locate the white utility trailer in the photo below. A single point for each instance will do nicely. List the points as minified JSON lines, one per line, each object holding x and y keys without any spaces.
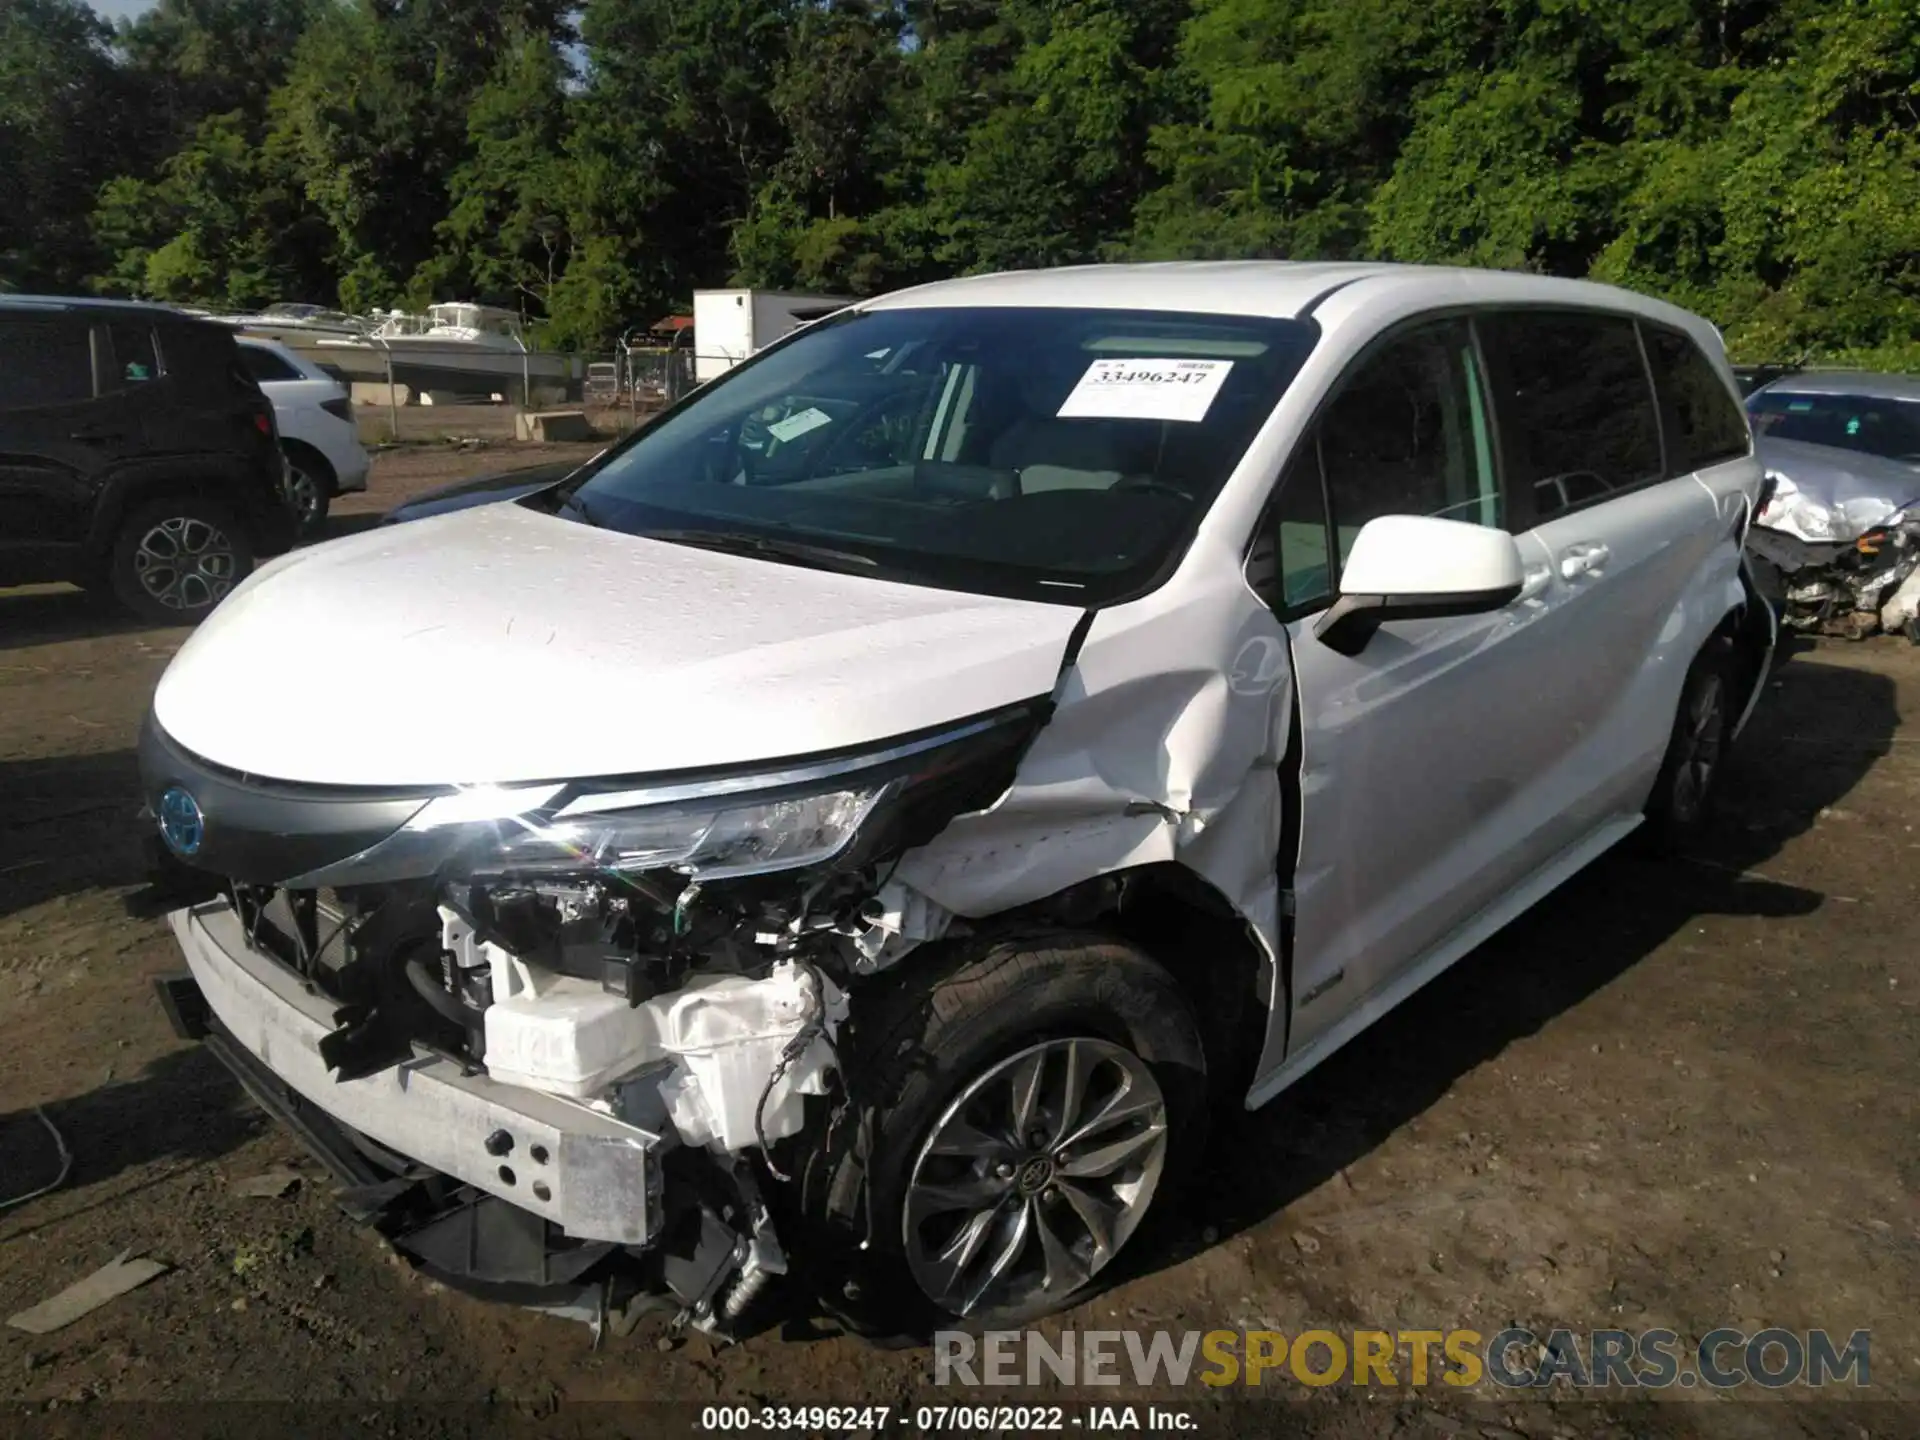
{"x":730,"y":325}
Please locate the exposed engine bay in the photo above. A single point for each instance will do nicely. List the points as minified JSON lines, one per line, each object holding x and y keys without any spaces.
{"x":693,"y":984}
{"x":1852,"y":589}
{"x":566,"y":988}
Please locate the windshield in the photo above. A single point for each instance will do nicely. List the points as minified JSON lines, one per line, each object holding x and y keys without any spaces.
{"x":1061,"y":455}
{"x":1871,"y":425}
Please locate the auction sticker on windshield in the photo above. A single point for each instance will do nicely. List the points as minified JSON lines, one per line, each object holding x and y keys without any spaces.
{"x":794,"y":426}
{"x":1146,"y":390}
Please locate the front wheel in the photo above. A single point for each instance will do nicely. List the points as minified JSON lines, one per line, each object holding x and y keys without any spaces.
{"x":1012,"y":1121}
{"x":175,"y":559}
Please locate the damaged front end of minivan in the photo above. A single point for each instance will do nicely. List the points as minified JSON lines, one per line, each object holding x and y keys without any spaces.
{"x":545,"y":1035}
{"x":1836,"y":541}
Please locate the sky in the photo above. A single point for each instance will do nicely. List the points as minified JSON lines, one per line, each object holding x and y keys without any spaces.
{"x":114,"y":9}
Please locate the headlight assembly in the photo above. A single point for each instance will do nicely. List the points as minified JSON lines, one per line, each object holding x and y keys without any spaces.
{"x":839,"y":809}
{"x":708,"y":843}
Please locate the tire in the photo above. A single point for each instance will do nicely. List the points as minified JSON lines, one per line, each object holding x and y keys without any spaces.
{"x":310,"y":487}
{"x":1769,"y":583}
{"x":1681,"y":805}
{"x":942,"y":1059}
{"x":174,"y":559}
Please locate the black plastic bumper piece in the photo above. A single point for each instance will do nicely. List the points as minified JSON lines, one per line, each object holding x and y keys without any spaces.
{"x":186,"y":1007}
{"x":487,"y":1247}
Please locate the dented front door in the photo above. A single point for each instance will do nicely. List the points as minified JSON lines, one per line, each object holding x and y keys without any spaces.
{"x":1420,"y":757}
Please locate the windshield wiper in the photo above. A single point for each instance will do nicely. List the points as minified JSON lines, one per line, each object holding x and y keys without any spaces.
{"x":734,"y":542}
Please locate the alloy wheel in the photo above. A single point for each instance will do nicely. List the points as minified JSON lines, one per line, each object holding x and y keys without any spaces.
{"x":185,"y":563}
{"x":304,"y":491}
{"x":1035,"y":1176}
{"x":1702,"y":736}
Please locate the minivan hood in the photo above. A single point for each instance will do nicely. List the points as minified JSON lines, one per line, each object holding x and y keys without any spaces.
{"x":500,"y":644}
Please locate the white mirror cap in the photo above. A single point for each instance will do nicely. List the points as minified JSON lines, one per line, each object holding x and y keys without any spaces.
{"x":1425,"y":555}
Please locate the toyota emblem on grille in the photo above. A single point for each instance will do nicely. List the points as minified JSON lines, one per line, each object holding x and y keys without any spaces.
{"x":180,"y":823}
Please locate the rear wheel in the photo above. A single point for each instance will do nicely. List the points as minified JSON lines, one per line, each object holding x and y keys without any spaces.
{"x":1687,"y":786}
{"x":176,"y":558}
{"x":310,"y":487}
{"x":1012,"y":1123}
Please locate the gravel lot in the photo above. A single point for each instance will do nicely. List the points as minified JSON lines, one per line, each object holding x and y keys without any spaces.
{"x":1673,"y":1095}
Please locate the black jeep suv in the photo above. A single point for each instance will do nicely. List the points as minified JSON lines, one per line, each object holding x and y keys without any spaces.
{"x":136,"y":455}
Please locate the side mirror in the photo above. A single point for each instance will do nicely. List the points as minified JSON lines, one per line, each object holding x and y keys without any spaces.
{"x":1418,"y":567}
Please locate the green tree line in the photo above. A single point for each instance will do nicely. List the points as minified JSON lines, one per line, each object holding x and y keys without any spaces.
{"x":1756,"y":160}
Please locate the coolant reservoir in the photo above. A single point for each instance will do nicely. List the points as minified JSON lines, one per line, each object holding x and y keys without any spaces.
{"x":552,"y":1032}
{"x":728,"y":1036}
{"x":725,"y":1033}
{"x":568,"y":1037}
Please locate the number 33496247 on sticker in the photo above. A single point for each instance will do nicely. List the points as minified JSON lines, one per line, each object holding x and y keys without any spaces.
{"x":1146,"y":390}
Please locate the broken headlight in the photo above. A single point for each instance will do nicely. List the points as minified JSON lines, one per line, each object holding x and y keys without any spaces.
{"x":841,"y":810}
{"x":720,"y":841}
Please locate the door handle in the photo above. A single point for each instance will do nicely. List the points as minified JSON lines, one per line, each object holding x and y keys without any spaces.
{"x":1533,"y":580}
{"x":1583,"y":557}
{"x":102,"y":436}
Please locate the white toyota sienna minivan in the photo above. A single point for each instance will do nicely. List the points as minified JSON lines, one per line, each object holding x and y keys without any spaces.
{"x":857,"y":827}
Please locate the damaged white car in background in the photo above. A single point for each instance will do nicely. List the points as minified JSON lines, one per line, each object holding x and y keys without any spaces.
{"x":853,"y":829}
{"x":1837,"y":541}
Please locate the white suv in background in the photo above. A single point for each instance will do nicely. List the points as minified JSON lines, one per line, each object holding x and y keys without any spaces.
{"x":888,"y":799}
{"x":314,"y":415}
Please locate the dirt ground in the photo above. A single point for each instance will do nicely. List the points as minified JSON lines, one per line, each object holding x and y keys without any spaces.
{"x":1673,"y":1095}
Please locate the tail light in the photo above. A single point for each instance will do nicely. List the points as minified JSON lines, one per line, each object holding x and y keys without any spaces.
{"x":340,"y":409}
{"x":263,"y":422}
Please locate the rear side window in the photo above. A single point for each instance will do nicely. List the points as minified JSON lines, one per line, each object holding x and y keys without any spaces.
{"x":44,"y":362}
{"x":1704,"y":423}
{"x":1871,"y":425}
{"x":135,"y":361}
{"x":1577,"y":412}
{"x":263,"y":364}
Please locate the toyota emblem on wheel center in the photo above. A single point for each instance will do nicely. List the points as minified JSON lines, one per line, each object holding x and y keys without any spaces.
{"x":180,"y":823}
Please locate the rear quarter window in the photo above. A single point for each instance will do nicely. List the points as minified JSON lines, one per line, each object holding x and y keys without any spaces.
{"x":205,"y":361}
{"x":263,"y":364}
{"x":1705,"y":425}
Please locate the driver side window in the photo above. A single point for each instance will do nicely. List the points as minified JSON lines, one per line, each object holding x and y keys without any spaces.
{"x":1406,"y":433}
